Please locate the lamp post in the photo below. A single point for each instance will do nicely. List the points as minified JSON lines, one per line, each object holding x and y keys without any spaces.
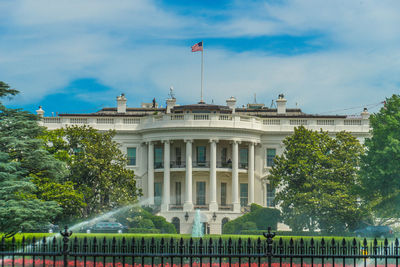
{"x":187,"y":216}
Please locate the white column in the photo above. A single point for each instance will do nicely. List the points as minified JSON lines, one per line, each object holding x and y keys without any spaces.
{"x":235,"y":176}
{"x":166,"y":184}
{"x":251,"y":173}
{"x":213,"y":175}
{"x":150,"y":173}
{"x":188,"y":205}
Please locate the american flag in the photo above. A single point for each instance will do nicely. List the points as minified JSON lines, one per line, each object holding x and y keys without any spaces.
{"x":197,"y":47}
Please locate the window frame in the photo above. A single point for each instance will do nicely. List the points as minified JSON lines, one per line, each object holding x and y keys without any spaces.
{"x":266,"y":156}
{"x":127,"y":155}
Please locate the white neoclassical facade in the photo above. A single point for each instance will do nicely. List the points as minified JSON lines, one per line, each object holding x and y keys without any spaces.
{"x":215,"y":158}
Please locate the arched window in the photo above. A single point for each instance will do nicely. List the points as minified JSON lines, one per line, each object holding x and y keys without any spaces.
{"x":224,"y":221}
{"x":177,"y":223}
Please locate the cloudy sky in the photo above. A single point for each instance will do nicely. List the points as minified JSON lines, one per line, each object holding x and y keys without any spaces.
{"x":327,"y":57}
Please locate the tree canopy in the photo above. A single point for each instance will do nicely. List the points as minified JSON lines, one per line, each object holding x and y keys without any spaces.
{"x":96,"y":165}
{"x":316,"y":178}
{"x":22,"y":157}
{"x":380,"y":169}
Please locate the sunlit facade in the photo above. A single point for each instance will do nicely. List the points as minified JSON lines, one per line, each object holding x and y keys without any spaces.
{"x":215,"y":158}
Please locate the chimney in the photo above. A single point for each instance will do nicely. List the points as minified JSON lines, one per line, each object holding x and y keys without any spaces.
{"x":365,"y":114}
{"x":121,"y":103}
{"x":281,"y":104}
{"x":231,"y":103}
{"x":40,"y":112}
{"x":171,"y":102}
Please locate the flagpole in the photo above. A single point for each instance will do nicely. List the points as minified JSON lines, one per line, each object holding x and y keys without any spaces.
{"x":201,"y":96}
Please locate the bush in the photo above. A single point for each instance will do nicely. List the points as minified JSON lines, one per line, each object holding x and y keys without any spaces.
{"x":254,"y":207}
{"x":146,"y":224}
{"x":144,"y":219}
{"x":258,"y":218}
{"x":144,"y":230}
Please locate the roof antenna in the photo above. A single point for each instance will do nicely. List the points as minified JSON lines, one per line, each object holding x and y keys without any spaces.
{"x":171,"y":92}
{"x":255,"y":98}
{"x":272,"y":104}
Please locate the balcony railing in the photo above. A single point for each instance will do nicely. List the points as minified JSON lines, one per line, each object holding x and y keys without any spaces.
{"x":243,"y":165}
{"x":176,"y":207}
{"x":158,"y":165}
{"x":358,"y":123}
{"x":178,"y":164}
{"x":201,"y":164}
{"x":201,"y":207}
{"x":225,"y":207}
{"x":223,"y":164}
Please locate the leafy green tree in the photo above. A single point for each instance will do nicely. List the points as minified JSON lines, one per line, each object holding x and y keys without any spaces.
{"x":380,"y":169}
{"x":317,"y":177}
{"x":96,"y":165}
{"x":21,"y":158}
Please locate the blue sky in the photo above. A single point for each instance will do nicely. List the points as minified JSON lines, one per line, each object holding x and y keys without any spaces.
{"x":327,"y":57}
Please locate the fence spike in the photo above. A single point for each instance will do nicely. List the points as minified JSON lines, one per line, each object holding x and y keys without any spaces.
{"x":210,"y":245}
{"x":171,"y":245}
{"x":23,"y":242}
{"x":133,"y":245}
{"x":312,"y":242}
{"x":333,"y":243}
{"x":396,"y":242}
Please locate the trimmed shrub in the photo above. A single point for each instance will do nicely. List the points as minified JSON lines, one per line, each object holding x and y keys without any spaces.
{"x":146,"y":224}
{"x":254,"y":207}
{"x":258,"y":218}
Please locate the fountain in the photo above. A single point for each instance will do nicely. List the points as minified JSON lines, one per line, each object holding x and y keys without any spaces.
{"x":197,"y":230}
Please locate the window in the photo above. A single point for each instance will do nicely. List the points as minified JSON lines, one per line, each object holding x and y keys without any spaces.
{"x":201,"y":154}
{"x":158,"y":157}
{"x":271,"y":153}
{"x":270,"y":196}
{"x":244,"y":190}
{"x":131,"y":153}
{"x":178,"y":193}
{"x":178,"y":155}
{"x":157,"y":194}
{"x":223,"y":194}
{"x":201,"y":193}
{"x":224,"y":153}
{"x":243,"y":158}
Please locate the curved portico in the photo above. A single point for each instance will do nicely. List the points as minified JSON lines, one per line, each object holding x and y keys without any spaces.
{"x":201,"y":167}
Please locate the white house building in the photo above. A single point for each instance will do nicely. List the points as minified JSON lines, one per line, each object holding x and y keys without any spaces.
{"x":215,"y":158}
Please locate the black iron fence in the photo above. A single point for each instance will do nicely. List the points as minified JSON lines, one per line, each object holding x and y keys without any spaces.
{"x":211,"y":252}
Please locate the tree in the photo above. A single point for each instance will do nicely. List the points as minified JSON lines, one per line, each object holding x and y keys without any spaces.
{"x":96,"y":165}
{"x":380,"y":169}
{"x":316,"y":178}
{"x":22,"y":157}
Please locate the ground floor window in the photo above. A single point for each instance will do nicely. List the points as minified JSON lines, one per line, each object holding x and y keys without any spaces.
{"x":223,"y":222}
{"x":244,"y":192}
{"x":177,"y":223}
{"x":270,"y":196}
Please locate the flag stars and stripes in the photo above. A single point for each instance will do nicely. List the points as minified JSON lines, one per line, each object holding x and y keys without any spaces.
{"x":197,"y":47}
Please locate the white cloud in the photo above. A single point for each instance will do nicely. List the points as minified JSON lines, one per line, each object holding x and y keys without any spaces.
{"x":45,"y":45}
